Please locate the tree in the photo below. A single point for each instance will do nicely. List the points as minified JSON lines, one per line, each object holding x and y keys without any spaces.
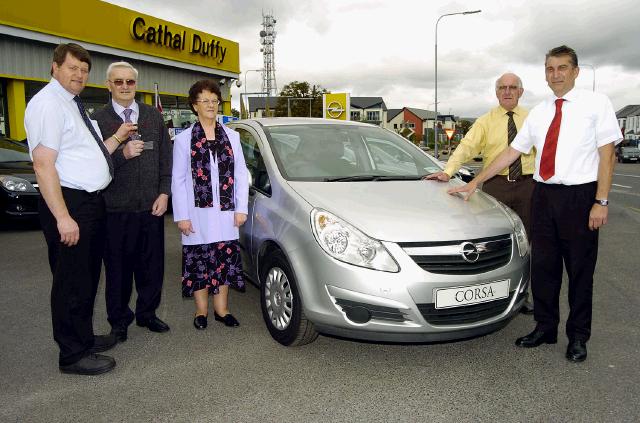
{"x":296,"y":91}
{"x":235,"y":113}
{"x":463,"y":126}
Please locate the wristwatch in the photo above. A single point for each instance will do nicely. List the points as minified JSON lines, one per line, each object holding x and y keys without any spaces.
{"x":602,"y":202}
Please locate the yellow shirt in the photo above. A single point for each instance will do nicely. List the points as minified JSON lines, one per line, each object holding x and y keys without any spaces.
{"x":489,"y":136}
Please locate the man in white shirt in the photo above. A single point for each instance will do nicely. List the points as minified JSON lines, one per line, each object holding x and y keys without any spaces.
{"x":575,"y":133}
{"x":72,"y":166}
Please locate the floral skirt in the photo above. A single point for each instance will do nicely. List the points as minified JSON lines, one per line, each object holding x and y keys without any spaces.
{"x":210,"y":266}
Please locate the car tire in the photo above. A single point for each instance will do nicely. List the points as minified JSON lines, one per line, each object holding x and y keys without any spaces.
{"x":281,"y":304}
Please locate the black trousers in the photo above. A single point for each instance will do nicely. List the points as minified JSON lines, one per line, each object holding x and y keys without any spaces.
{"x":560,"y":233}
{"x":134,"y":250}
{"x":76,"y":272}
{"x":516,"y":195}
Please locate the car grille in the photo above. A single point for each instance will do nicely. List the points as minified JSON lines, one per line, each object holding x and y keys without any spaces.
{"x":466,"y":314}
{"x":445,"y":257}
{"x":377,"y":312}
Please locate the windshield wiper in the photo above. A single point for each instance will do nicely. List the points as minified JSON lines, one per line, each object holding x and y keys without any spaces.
{"x":399,"y":178}
{"x":359,"y":178}
{"x":353,"y":178}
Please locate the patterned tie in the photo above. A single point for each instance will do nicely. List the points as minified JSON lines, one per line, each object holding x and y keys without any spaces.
{"x":515,"y":169}
{"x":127,"y":115}
{"x":548,"y":158}
{"x":87,"y":122}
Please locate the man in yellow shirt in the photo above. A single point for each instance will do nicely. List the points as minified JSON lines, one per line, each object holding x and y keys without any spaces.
{"x":491,"y":134}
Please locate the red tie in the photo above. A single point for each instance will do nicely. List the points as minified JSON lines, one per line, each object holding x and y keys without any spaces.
{"x":548,"y":159}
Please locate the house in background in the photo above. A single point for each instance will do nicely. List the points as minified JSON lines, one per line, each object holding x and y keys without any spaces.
{"x":258,"y":106}
{"x":395,"y":118}
{"x":415,"y":124}
{"x":369,"y":109}
{"x":363,"y":109}
{"x":629,"y":121}
{"x":410,"y":122}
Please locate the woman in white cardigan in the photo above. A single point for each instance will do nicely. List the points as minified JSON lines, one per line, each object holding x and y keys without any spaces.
{"x":210,"y":193}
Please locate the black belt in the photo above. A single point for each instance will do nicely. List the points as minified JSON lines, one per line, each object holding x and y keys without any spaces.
{"x":518,"y":179}
{"x":95,"y":193}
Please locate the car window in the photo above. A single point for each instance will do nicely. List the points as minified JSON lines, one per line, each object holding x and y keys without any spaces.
{"x":390,"y":158}
{"x":318,"y":152}
{"x":315,"y":151}
{"x":285,"y":144}
{"x":255,"y":162}
{"x":12,"y":151}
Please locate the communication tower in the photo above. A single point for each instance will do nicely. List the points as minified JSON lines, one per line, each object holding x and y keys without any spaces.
{"x":268,"y":40}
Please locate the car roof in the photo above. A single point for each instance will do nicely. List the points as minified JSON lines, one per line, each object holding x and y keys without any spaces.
{"x":282,"y":121}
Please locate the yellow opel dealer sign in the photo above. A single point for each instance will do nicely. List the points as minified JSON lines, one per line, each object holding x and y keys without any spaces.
{"x":336,"y":106}
{"x":105,"y":24}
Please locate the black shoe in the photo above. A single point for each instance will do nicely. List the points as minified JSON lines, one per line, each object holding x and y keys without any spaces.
{"x":120,"y":333}
{"x":92,"y":364}
{"x":200,"y":322}
{"x":103,"y":343}
{"x":527,"y":308}
{"x":228,"y":319}
{"x":153,"y":324}
{"x":537,"y":338}
{"x":576,"y":351}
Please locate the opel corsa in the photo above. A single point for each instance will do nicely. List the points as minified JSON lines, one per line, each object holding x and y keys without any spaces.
{"x":345,"y":238}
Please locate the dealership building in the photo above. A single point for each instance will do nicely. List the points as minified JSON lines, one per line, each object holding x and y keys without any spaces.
{"x":168,"y":56}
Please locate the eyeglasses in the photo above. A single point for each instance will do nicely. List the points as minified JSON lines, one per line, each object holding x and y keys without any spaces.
{"x":75,"y":69}
{"x":119,"y":82}
{"x":507,"y":87}
{"x":215,"y":102}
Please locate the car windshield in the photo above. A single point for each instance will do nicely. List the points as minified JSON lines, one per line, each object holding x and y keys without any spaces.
{"x":13,"y":151}
{"x":343,"y":153}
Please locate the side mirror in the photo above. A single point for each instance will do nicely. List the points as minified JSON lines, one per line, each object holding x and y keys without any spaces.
{"x":250,"y":178}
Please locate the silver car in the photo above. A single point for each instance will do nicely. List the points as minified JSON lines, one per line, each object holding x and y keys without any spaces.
{"x":345,"y":238}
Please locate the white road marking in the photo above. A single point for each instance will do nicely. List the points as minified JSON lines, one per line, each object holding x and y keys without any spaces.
{"x":621,"y":186}
{"x":633,"y":194}
{"x":630,"y":176}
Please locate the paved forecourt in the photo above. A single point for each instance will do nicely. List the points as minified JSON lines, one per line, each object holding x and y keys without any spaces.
{"x":242,"y":375}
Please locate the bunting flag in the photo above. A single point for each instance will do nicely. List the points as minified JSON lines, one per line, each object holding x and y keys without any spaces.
{"x":157,"y":97}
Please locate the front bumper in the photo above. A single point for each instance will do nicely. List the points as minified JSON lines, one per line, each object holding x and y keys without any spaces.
{"x":346,"y":300}
{"x":16,"y":205}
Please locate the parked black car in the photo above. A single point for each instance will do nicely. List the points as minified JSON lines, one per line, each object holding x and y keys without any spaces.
{"x":19,"y":191}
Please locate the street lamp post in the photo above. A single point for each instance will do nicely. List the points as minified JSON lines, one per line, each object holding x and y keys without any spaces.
{"x":435,"y":124}
{"x":593,"y":86}
{"x":245,"y":85}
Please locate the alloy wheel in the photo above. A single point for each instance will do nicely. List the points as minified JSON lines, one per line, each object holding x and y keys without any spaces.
{"x":278,"y":298}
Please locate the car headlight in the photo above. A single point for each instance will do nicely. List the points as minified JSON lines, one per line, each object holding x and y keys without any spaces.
{"x":519,"y":231}
{"x":13,"y":183}
{"x":346,"y":243}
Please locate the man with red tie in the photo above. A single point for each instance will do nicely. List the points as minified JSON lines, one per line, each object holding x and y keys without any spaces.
{"x":575,"y":133}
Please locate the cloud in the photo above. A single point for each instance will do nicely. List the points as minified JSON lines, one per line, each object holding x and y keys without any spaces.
{"x":600,"y":35}
{"x":382,"y":48}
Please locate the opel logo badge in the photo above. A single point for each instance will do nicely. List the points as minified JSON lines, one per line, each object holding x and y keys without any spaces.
{"x":469,"y":252}
{"x":335,"y":110}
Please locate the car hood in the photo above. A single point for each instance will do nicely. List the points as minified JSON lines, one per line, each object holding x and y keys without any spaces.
{"x":408,"y":211}
{"x":22,"y":170}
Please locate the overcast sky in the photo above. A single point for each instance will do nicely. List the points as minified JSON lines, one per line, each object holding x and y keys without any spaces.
{"x":386,"y":48}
